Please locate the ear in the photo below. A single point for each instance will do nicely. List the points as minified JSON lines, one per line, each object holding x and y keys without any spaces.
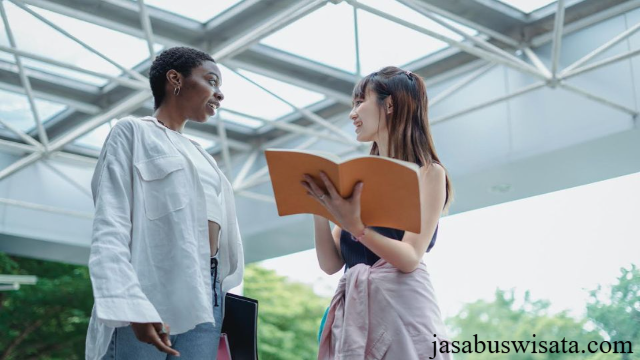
{"x":174,"y":78}
{"x":388,"y":105}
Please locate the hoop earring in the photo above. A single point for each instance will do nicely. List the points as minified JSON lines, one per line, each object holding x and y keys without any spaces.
{"x":176,"y":91}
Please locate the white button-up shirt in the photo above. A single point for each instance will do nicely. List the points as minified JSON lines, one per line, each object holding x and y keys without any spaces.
{"x":150,"y":253}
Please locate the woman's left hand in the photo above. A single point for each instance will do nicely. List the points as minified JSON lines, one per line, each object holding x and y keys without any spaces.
{"x":346,"y":211}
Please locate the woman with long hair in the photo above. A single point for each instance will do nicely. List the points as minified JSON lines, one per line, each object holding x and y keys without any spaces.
{"x":165,"y":244}
{"x":385,"y":306}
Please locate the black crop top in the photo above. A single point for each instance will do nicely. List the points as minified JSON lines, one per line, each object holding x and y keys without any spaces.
{"x":354,"y":252}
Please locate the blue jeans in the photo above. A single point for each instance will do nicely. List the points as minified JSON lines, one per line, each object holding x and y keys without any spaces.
{"x":198,"y":343}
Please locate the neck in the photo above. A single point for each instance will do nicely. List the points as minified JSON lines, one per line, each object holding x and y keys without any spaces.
{"x":171,"y":118}
{"x":383,"y":149}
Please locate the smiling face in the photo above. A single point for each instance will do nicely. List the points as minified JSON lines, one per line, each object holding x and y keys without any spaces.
{"x":369,"y":118}
{"x":200,"y":93}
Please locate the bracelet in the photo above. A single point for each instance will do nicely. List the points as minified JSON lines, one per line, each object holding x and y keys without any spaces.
{"x":359,"y":237}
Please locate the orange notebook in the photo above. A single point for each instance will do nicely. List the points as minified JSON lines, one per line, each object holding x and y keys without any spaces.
{"x":390,"y":197}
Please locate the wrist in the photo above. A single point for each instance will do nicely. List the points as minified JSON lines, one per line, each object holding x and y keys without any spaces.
{"x":358,"y":232}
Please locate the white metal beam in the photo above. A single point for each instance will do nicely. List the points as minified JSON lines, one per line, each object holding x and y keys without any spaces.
{"x":416,"y":6}
{"x":599,"y":99}
{"x":483,"y":54}
{"x":26,"y":84}
{"x":537,"y":62}
{"x":130,"y":83}
{"x":601,"y":63}
{"x":146,"y":26}
{"x":222,"y":132}
{"x":468,"y":23}
{"x":25,"y":137}
{"x":236,"y":45}
{"x":304,"y":112}
{"x":130,"y":72}
{"x":524,"y":90}
{"x":604,"y":47}
{"x":558,"y":30}
{"x":125,"y":106}
{"x":20,"y":164}
{"x":461,"y":84}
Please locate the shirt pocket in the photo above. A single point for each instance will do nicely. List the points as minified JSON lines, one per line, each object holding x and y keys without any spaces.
{"x":164,"y":185}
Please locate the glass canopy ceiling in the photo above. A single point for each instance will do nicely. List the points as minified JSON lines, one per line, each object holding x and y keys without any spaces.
{"x":247,"y":104}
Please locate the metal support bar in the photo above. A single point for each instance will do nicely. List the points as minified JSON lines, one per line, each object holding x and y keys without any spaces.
{"x":256,"y":196}
{"x":601,"y":63}
{"x":20,"y":164}
{"x":46,"y":208}
{"x":236,"y":45}
{"x":132,"y":73}
{"x":222,"y":132}
{"x":557,"y":38}
{"x":413,"y":4}
{"x":133,"y":84}
{"x":466,"y":22}
{"x":124,"y":106}
{"x":44,"y":139}
{"x":537,"y":62}
{"x":146,"y":26}
{"x":464,"y":82}
{"x":604,"y":47}
{"x":245,"y":168}
{"x":25,"y":137}
{"x":356,"y":32}
{"x":483,"y":54}
{"x":599,"y":99}
{"x":524,"y":90}
{"x":306,"y":113}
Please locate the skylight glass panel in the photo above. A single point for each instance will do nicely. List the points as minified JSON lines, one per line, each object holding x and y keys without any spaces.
{"x":527,"y":6}
{"x":198,"y":10}
{"x":15,"y":110}
{"x":384,"y":42}
{"x":240,"y":119}
{"x":329,"y":36}
{"x":51,"y":43}
{"x":244,"y":97}
{"x":325,"y":36}
{"x":296,"y":95}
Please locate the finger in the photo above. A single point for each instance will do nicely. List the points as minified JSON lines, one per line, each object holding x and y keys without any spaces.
{"x":329,"y":185}
{"x":357,"y":191}
{"x":314,"y":187}
{"x":162,"y":339}
{"x":157,"y":342}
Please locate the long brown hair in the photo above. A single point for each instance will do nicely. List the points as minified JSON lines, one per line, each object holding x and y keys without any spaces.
{"x":409,"y":132}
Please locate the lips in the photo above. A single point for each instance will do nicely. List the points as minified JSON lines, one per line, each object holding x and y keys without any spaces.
{"x":358,"y":125}
{"x":212,"y":107}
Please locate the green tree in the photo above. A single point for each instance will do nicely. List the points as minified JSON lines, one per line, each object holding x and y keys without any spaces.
{"x":289,"y":315}
{"x":48,"y":320}
{"x":617,"y":310}
{"x":503,"y":320}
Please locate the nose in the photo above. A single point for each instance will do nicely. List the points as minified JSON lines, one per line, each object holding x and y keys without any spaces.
{"x":353,"y":115}
{"x":219,"y":95}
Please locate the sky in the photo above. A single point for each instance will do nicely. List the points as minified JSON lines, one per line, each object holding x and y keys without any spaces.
{"x":558,"y":245}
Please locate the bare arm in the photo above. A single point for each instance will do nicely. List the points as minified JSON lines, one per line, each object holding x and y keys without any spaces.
{"x":327,"y":245}
{"x":405,"y":255}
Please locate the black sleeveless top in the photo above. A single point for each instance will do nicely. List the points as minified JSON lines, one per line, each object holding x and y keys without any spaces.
{"x":354,"y":252}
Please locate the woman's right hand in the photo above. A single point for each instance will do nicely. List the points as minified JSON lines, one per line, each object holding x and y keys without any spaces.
{"x":150,"y":333}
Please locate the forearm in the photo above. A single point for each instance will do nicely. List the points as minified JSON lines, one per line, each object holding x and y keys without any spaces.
{"x":328,"y":256}
{"x":397,"y":253}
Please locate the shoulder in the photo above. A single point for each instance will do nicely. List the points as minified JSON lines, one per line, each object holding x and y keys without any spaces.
{"x":433,"y":173}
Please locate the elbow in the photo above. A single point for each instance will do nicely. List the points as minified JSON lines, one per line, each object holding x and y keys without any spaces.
{"x":330,"y":270}
{"x":410,"y":265}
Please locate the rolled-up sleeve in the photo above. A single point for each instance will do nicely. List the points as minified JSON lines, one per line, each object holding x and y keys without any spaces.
{"x":119,"y":298}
